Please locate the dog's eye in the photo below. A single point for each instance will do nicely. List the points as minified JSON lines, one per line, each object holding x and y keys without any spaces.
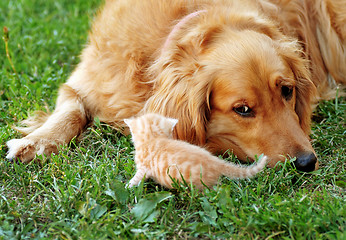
{"x":244,"y":111}
{"x":287,"y":92}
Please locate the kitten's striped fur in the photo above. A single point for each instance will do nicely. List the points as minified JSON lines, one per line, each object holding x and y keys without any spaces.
{"x":159,"y":156}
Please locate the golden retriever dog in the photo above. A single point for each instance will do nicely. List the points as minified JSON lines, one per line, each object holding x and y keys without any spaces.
{"x":240,"y":75}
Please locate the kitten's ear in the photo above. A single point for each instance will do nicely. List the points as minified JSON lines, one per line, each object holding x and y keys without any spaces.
{"x":173,"y":122}
{"x":128,"y":122}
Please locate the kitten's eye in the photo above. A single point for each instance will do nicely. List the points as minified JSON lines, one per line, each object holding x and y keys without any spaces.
{"x":287,"y":92}
{"x":244,"y":111}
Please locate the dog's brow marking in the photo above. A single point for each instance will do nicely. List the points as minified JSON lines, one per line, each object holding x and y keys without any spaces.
{"x":179,"y":25}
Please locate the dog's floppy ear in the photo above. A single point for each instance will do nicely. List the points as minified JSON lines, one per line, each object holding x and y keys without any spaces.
{"x":305,"y":98}
{"x":306,"y":93}
{"x":183,"y":96}
{"x":180,"y":89}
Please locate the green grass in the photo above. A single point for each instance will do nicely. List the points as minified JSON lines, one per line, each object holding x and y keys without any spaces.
{"x":80,"y":193}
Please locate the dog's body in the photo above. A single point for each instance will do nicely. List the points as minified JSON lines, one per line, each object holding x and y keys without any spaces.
{"x":232,"y":72}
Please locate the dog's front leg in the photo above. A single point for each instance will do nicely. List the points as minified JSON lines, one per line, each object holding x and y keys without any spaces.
{"x":67,"y":121}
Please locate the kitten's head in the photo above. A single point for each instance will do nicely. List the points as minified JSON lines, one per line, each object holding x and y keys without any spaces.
{"x":151,"y":125}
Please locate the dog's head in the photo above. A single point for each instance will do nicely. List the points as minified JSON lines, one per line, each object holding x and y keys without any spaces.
{"x":237,"y":84}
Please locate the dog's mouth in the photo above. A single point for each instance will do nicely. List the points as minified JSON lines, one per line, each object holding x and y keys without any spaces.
{"x":305,"y":162}
{"x":230,"y":147}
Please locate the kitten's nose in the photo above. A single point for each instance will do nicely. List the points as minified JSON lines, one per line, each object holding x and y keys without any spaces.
{"x":306,"y":161}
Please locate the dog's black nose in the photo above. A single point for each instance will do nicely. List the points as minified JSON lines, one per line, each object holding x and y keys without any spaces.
{"x":306,"y":162}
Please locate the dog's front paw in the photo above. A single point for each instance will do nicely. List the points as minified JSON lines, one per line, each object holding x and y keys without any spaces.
{"x":26,"y":149}
{"x":23,"y":149}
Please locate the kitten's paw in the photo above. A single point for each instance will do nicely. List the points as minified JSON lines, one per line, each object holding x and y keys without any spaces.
{"x":132,"y":183}
{"x":26,"y":149}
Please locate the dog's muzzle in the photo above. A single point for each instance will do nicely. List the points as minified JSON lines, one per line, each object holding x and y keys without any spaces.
{"x":306,"y":162}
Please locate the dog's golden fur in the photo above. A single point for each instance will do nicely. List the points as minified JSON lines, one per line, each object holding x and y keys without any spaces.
{"x":240,"y":75}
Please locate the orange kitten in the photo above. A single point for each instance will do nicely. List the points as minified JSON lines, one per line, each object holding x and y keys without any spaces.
{"x":159,"y":156}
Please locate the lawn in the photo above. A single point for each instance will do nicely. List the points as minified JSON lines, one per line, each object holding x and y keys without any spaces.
{"x":80,"y":193}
